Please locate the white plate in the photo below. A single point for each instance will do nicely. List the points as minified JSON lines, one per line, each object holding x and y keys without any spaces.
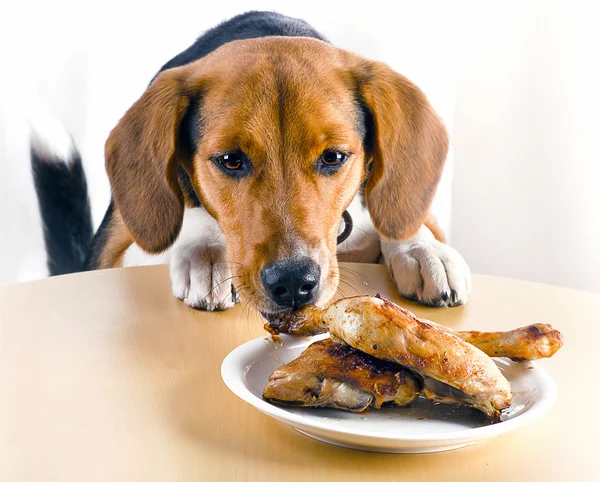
{"x":421,"y":428}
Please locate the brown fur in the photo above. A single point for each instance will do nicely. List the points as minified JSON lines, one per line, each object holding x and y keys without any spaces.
{"x":282,"y":101}
{"x":410,"y":148}
{"x":141,"y":162}
{"x":117,"y":243}
{"x":435,"y":228}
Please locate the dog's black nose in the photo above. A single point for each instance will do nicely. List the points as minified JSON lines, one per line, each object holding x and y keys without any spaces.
{"x":292,"y":283}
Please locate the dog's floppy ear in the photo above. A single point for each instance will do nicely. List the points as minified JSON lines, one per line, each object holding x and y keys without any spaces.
{"x":142,"y":155}
{"x":408,"y":145}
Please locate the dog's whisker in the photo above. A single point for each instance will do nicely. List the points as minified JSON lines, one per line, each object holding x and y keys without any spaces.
{"x":224,"y":281}
{"x":245,"y":303}
{"x":248,"y":308}
{"x":373,"y":235}
{"x":240,"y":292}
{"x":235,"y":292}
{"x":244,"y":290}
{"x":341,"y":291}
{"x":348,"y":281}
{"x":352,"y":287}
{"x":349,"y":271}
{"x":228,"y":262}
{"x":212,"y":290}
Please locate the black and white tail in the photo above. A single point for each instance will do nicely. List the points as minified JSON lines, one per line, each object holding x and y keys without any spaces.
{"x":62,"y":194}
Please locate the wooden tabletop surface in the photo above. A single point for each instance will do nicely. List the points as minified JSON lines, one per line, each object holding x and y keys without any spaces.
{"x":106,"y":377}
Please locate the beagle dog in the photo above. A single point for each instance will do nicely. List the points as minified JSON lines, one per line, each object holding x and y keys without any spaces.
{"x":261,"y":156}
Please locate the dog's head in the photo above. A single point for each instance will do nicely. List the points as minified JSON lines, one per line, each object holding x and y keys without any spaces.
{"x":277,"y":135}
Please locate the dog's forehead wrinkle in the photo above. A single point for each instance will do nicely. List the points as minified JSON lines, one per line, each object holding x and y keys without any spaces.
{"x":302,"y":113}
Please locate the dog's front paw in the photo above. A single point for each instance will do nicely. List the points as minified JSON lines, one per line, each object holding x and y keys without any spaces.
{"x":201,"y":277}
{"x":429,"y":271}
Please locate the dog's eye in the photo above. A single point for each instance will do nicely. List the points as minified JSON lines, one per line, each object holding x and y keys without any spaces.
{"x":331,"y":160}
{"x":232,"y":161}
{"x":234,"y":164}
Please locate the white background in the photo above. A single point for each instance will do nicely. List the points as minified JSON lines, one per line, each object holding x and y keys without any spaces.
{"x":516,"y":83}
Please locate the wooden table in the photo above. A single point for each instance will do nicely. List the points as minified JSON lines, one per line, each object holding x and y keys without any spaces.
{"x":106,"y":377}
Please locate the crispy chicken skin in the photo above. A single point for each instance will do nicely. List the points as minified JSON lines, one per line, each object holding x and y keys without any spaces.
{"x":386,"y":331}
{"x":527,"y":343}
{"x":330,"y":374}
{"x":453,"y":364}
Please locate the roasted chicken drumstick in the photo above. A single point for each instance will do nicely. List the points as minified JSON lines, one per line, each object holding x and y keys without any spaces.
{"x":531,"y":342}
{"x":450,"y":366}
{"x":526,"y":343}
{"x":386,"y":331}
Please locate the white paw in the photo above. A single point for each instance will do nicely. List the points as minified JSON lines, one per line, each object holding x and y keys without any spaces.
{"x":200,"y":274}
{"x":202,"y":279}
{"x":429,"y":271}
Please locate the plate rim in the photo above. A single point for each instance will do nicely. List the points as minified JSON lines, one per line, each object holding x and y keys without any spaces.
{"x":235,"y":383}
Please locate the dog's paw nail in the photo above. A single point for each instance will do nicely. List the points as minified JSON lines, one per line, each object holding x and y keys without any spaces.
{"x":234,"y":296}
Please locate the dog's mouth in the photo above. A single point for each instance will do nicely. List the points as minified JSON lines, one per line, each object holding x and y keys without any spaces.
{"x":275,"y":323}
{"x":272,"y":317}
